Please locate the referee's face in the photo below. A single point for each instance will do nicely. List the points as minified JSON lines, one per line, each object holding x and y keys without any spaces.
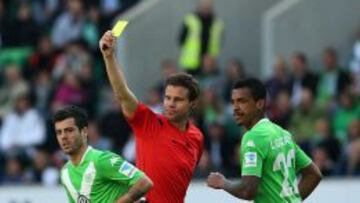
{"x":176,"y":103}
{"x":69,"y":136}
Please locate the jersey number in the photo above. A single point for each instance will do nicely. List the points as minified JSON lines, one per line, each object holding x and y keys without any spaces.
{"x":288,"y":188}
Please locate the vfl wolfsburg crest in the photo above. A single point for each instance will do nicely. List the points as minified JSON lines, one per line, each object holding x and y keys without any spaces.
{"x":83,"y":199}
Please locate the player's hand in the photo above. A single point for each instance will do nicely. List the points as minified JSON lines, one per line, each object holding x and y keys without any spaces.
{"x":216,"y":180}
{"x":107,"y":44}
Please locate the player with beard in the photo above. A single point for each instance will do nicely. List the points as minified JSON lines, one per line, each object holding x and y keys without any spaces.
{"x":91,"y":175}
{"x":270,"y":160}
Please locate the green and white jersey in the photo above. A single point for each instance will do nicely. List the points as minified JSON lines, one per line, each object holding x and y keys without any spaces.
{"x":100,"y":177}
{"x":269,"y":152}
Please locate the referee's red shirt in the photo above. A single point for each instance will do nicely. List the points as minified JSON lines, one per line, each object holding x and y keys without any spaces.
{"x":167,"y":155}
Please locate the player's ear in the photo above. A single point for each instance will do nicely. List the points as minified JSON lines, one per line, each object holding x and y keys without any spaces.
{"x":84,"y":132}
{"x":260,"y":104}
{"x":193,"y":106}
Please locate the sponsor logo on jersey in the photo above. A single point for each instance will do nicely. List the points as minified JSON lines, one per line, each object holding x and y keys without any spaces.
{"x":250,"y":159}
{"x":83,"y":199}
{"x":114,"y":160}
{"x":127,"y":169}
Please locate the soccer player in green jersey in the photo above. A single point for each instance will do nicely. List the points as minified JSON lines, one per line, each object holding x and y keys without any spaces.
{"x":269,"y":158}
{"x":94,"y":176}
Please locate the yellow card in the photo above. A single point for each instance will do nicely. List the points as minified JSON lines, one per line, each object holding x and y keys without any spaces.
{"x":119,"y":27}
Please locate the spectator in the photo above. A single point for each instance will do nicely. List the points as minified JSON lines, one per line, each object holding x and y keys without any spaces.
{"x":114,"y":126}
{"x":90,"y":87}
{"x":302,"y":122}
{"x":220,"y":148}
{"x":213,"y":108}
{"x":348,"y":109}
{"x":13,"y":86}
{"x":200,"y":36}
{"x":325,"y":140}
{"x":279,"y":81}
{"x":13,"y":172}
{"x":69,"y":25}
{"x":322,"y":160}
{"x":349,"y":163}
{"x":110,"y":8}
{"x":42,"y":88}
{"x":3,"y":22}
{"x":24,"y":31}
{"x":69,"y":91}
{"x":46,"y":10}
{"x":280,"y":112}
{"x":210,"y":77}
{"x":168,"y":67}
{"x":355,"y":63}
{"x":96,"y":140}
{"x":91,"y":30}
{"x":42,"y":59}
{"x":333,"y":80}
{"x":41,"y":171}
{"x":15,"y":134}
{"x":235,"y":70}
{"x":73,"y":59}
{"x":301,"y":77}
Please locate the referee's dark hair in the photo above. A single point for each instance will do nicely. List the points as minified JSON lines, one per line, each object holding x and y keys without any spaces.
{"x":79,"y":115}
{"x":187,"y":81}
{"x":256,"y":87}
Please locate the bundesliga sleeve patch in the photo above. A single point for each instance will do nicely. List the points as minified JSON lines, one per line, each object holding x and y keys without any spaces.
{"x":250,"y":159}
{"x":127,"y":169}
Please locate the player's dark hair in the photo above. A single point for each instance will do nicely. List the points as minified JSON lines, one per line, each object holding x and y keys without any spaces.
{"x":187,"y":81}
{"x":256,"y":87}
{"x":79,"y":115}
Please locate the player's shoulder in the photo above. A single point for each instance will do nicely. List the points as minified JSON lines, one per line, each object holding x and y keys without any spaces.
{"x":94,"y":154}
{"x":98,"y":156}
{"x":107,"y":157}
{"x":260,"y":132}
{"x":103,"y":154}
{"x":265,"y":127}
{"x":65,"y":166}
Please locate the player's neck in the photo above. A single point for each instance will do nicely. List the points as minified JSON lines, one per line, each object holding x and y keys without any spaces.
{"x":76,"y":157}
{"x":254,"y":122}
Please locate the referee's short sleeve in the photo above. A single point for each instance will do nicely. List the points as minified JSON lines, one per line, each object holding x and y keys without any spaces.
{"x":144,"y":121}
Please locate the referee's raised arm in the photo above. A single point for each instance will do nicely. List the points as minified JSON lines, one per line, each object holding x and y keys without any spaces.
{"x":124,"y":95}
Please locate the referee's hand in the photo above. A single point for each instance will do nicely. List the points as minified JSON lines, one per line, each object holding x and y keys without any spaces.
{"x":216,"y":180}
{"x":107,"y":44}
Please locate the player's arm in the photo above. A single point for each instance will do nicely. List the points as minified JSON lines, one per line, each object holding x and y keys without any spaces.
{"x":124,"y":95}
{"x":245,"y":188}
{"x":310,"y":178}
{"x":251,"y":158}
{"x":138,"y":190}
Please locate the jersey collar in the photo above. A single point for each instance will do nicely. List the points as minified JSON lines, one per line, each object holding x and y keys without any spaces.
{"x":260,"y":121}
{"x":84,"y":155}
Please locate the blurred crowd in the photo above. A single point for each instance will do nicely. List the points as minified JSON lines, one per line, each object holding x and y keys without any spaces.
{"x":49,"y":58}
